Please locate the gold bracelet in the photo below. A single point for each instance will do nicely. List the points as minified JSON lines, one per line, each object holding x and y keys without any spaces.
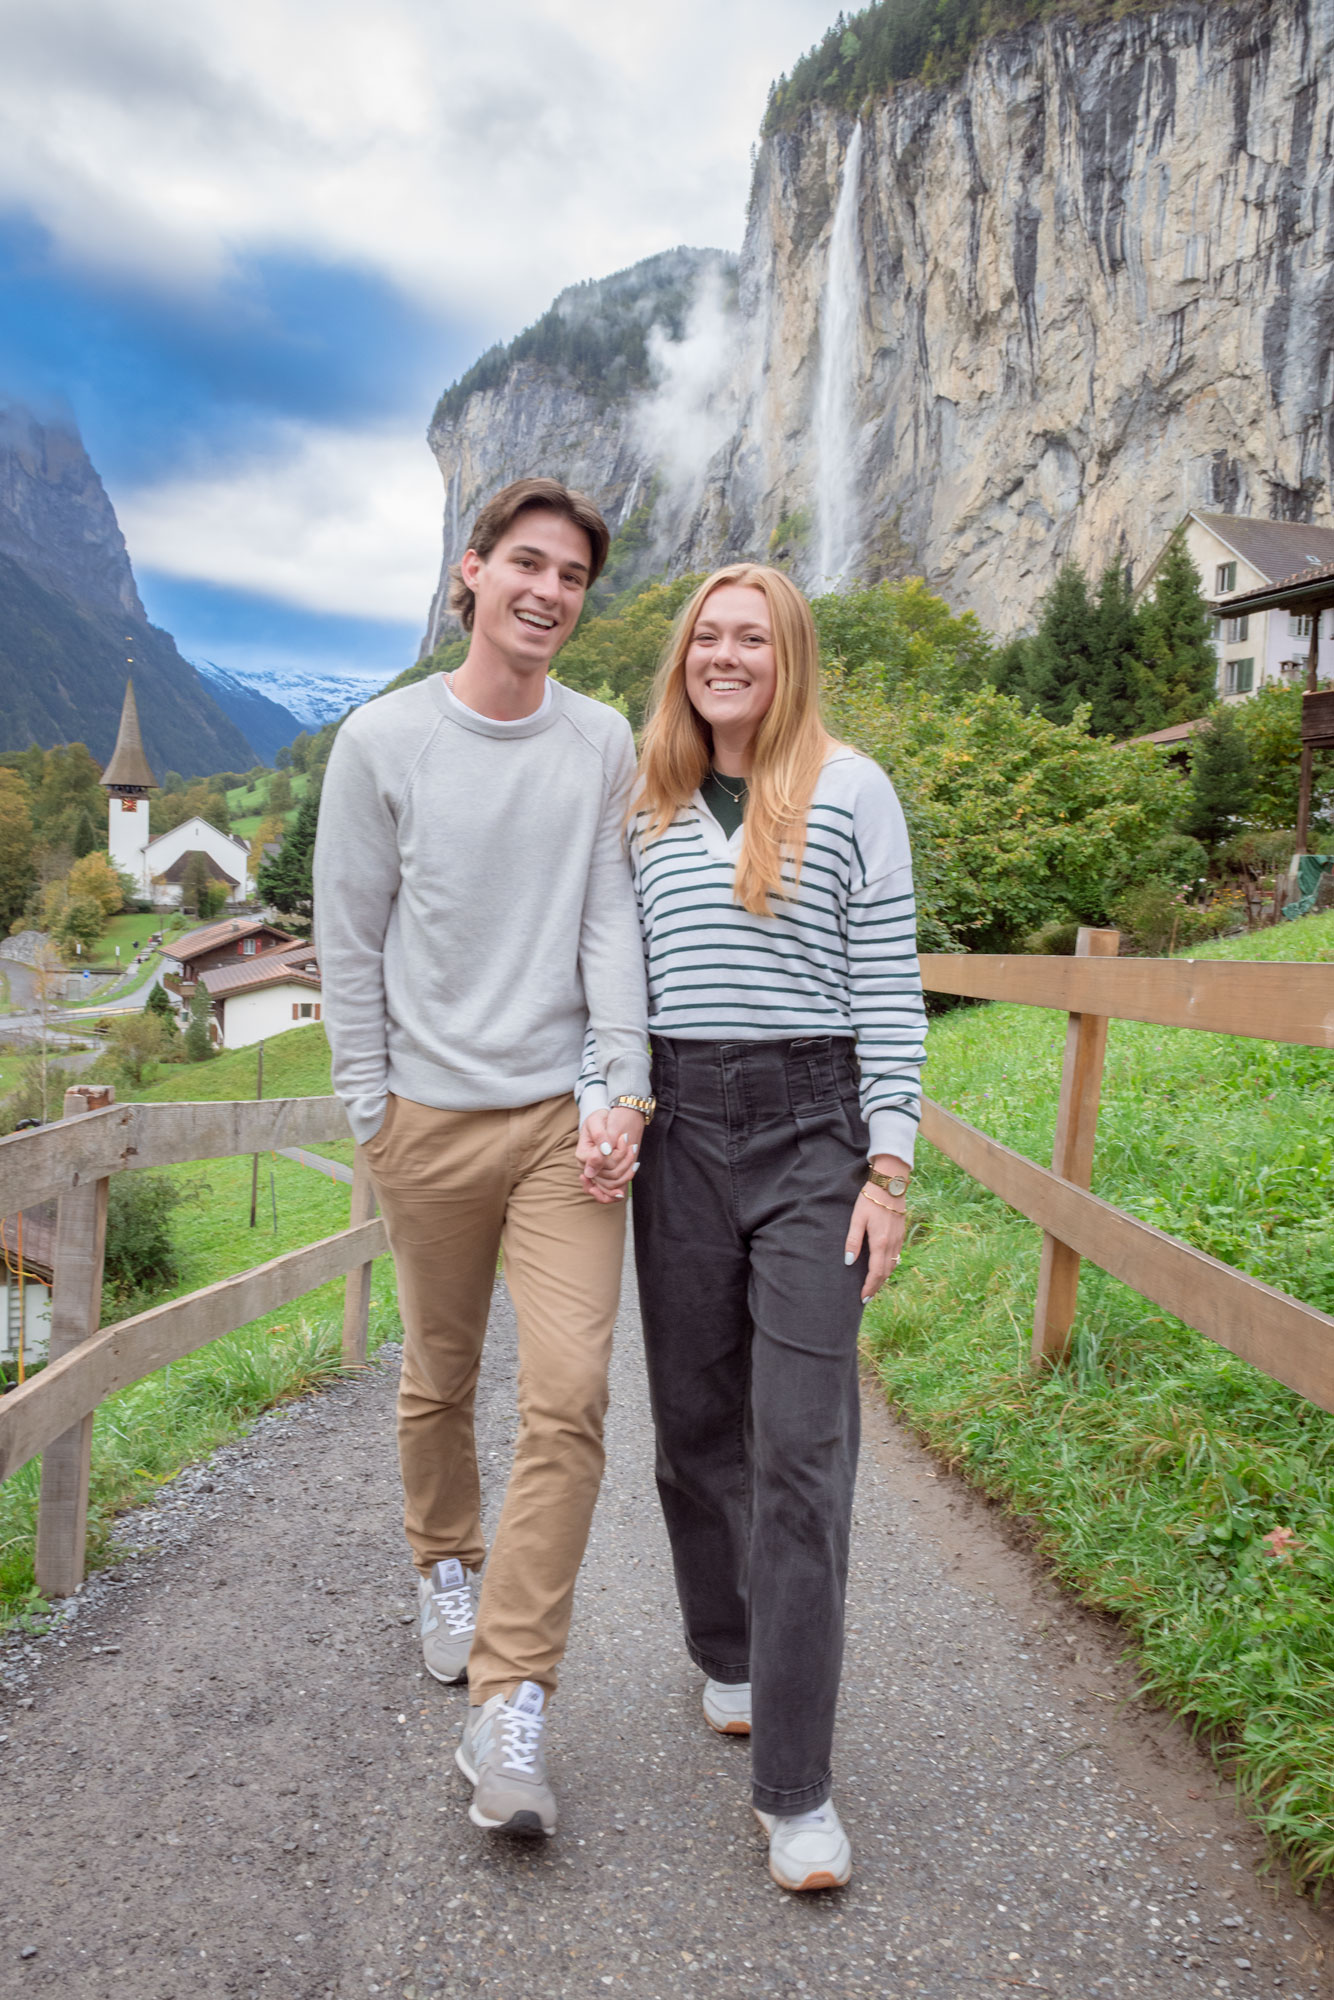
{"x":890,"y":1207}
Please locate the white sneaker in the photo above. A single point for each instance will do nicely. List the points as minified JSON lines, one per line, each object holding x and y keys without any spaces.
{"x":727,"y":1707}
{"x":807,"y":1850}
{"x":501,"y":1755}
{"x":447,"y":1602}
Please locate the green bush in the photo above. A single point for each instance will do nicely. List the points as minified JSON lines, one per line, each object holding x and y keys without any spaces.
{"x":140,"y":1256}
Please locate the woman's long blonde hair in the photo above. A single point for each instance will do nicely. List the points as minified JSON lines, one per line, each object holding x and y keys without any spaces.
{"x":790,"y":748}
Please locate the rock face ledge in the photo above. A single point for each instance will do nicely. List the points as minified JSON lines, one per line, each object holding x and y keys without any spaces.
{"x":1091,"y":285}
{"x":55,"y":517}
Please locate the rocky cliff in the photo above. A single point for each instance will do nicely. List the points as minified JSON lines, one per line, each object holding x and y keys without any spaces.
{"x":1041,"y":310}
{"x":71,"y":622}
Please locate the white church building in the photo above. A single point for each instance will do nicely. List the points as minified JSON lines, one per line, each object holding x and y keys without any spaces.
{"x":158,"y":867}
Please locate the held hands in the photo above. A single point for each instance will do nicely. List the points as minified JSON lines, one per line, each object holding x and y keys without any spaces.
{"x":608,"y":1151}
{"x":880,"y":1221}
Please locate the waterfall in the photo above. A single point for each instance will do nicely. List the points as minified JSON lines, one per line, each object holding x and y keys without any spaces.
{"x":835,"y":473}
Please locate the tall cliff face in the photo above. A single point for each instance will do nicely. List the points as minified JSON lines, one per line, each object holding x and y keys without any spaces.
{"x":71,"y":623}
{"x":55,"y":517}
{"x":1041,"y":311}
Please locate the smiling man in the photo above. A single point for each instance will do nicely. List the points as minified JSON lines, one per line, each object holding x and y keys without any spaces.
{"x":474,"y":918}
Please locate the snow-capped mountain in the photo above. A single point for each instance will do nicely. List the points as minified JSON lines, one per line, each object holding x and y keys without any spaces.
{"x":310,"y":698}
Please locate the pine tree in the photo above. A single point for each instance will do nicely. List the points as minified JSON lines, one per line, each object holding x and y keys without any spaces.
{"x":285,"y":881}
{"x":1113,"y":649}
{"x":1177,"y":662}
{"x":1222,"y":779}
{"x":1059,"y":666}
{"x":198,"y":1041}
{"x":159,"y":1002}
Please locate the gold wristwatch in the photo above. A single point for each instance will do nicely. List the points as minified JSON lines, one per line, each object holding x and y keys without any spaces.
{"x":896,"y":1184}
{"x":645,"y":1106}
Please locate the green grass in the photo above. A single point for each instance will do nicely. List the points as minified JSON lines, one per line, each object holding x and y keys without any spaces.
{"x":1152,"y":1465}
{"x":247,"y":802}
{"x":147,"y":1433}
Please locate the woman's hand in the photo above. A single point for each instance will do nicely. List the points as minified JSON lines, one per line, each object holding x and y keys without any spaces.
{"x":882,"y":1229}
{"x":608,"y":1151}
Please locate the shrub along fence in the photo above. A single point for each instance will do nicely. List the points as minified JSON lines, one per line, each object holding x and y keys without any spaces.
{"x":52,"y":1412}
{"x":1276,"y":1002}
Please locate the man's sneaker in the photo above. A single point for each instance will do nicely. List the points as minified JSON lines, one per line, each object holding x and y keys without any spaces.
{"x":501,"y":1757}
{"x":727,"y":1707}
{"x":807,"y":1850}
{"x":448,"y":1608}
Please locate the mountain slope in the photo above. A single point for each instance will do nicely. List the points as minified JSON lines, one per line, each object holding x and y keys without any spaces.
{"x":264,"y":723}
{"x":71,"y":622}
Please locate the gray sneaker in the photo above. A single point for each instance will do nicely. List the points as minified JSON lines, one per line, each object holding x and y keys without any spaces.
{"x":500,"y":1755}
{"x":447,"y":1602}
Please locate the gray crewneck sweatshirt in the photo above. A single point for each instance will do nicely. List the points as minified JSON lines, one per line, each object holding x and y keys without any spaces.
{"x":474,"y":912}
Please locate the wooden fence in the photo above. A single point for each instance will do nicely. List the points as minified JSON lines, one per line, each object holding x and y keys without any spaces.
{"x":52,"y":1413}
{"x":1277,"y":1002}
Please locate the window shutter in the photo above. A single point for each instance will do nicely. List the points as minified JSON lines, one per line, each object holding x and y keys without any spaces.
{"x":296,"y":1011}
{"x":317,"y":1010}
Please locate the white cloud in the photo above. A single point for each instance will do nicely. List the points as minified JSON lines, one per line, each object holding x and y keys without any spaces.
{"x":333,"y":520}
{"x":479,"y":158}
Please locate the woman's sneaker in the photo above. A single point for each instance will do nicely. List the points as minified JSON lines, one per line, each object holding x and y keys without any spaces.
{"x":807,"y":1850}
{"x":727,"y":1707}
{"x":447,"y":1602}
{"x":500,"y":1755}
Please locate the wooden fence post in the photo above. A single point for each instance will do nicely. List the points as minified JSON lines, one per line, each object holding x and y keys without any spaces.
{"x":76,"y":1311}
{"x":1072,"y":1158}
{"x":357,"y":1294}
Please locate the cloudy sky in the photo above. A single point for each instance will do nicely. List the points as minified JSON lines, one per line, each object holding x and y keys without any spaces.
{"x":248,"y":242}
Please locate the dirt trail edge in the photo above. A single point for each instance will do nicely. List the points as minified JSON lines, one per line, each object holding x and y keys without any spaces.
{"x":227,"y":1775}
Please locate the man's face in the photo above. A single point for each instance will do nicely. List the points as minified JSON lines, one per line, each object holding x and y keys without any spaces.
{"x":530,"y":589}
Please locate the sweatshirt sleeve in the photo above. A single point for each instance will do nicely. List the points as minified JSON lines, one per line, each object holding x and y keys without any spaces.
{"x":886,"y":984}
{"x":611,"y":953}
{"x":356,"y":877}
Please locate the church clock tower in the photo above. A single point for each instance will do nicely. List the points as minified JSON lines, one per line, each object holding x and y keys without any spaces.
{"x":128,"y":779}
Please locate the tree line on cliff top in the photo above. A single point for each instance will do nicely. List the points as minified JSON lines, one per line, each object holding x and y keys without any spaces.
{"x":896,"y":41}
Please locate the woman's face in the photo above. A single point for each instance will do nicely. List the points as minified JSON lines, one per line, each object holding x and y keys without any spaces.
{"x":731,"y":673}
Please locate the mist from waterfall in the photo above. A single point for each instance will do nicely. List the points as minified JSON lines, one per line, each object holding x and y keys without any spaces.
{"x":835,"y":473}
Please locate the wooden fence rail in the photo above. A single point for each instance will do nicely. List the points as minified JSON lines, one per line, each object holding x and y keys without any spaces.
{"x":1292,"y":1342}
{"x":52,"y":1412}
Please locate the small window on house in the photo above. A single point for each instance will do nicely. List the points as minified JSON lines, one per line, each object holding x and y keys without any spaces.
{"x":1225,"y":579}
{"x":1235,"y":629}
{"x":1240,"y":676}
{"x":248,"y":947}
{"x":1299,"y":624}
{"x":307,"y":1010}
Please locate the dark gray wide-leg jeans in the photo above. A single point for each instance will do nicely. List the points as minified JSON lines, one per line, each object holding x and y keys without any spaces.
{"x":746,"y":1186}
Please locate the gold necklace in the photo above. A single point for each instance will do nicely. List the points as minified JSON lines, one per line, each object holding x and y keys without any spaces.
{"x":735,"y":797}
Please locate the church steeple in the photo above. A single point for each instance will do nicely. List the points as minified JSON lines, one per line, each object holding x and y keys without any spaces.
{"x":129,"y":771}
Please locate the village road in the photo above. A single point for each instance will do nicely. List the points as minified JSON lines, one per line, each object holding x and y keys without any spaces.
{"x":226,"y":1775}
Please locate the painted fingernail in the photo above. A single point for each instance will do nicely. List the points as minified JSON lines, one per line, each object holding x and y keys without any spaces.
{"x":634,"y":1170}
{"x":620,"y":1194}
{"x":605,"y":1147}
{"x":849,"y":1257}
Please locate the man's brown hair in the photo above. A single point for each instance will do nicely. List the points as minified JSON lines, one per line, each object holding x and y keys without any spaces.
{"x":498,"y":517}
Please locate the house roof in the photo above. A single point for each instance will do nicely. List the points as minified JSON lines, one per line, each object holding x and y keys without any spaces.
{"x":1312,"y":587}
{"x":129,"y":766}
{"x":268,"y":968}
{"x":39,"y":1243}
{"x":209,"y":936}
{"x":197,"y":819}
{"x":1275,"y":548}
{"x":175,"y":871}
{"x":1179,"y":732}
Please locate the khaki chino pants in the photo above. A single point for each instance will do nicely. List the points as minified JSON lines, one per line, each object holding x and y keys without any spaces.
{"x":455,"y":1187}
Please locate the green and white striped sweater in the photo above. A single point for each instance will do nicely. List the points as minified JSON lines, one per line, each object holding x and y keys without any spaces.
{"x":838,"y":957}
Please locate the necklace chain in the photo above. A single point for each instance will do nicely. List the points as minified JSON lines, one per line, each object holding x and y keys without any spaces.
{"x":736,"y":797}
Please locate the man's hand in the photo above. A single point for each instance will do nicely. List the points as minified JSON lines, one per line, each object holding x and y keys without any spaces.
{"x":608,"y":1151}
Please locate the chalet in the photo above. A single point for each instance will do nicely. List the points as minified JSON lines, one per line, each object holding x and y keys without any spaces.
{"x":227,"y":942}
{"x":255,"y":998}
{"x":27,"y":1272}
{"x":1237,"y":554}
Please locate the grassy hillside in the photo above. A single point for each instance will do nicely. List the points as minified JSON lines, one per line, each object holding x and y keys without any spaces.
{"x":1153,"y":1466}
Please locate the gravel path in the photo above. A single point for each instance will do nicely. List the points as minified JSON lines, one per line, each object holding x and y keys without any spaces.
{"x":225,"y":1773}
